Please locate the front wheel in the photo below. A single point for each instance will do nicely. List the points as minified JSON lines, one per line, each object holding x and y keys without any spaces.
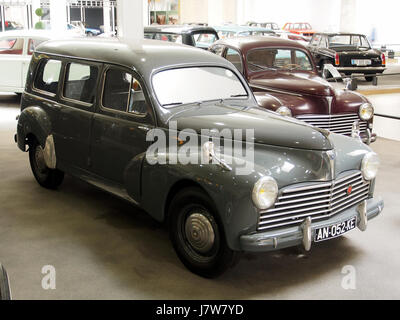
{"x":46,"y":177}
{"x":197,"y":235}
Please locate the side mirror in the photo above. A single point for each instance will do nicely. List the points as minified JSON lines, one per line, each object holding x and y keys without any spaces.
{"x":5,"y":292}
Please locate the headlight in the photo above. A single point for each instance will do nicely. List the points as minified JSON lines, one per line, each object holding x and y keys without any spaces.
{"x":366,"y":111}
{"x":370,"y":165}
{"x":284,"y":111}
{"x":264,"y":192}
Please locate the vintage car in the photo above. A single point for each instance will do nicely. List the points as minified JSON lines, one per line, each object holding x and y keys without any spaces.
{"x":11,"y":25}
{"x":302,"y":28}
{"x":5,"y":292}
{"x":231,"y":30}
{"x":348,"y":52}
{"x":268,"y":25}
{"x":285,"y":79}
{"x":177,"y":131}
{"x":195,"y":36}
{"x":16,"y":48}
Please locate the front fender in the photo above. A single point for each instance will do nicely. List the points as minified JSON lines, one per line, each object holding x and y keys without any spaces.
{"x":33,"y":120}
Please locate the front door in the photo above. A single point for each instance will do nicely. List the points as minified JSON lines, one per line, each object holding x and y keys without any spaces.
{"x":120,"y":126}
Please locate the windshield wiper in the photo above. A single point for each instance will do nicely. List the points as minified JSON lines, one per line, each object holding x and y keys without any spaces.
{"x":172,"y":104}
{"x":260,"y":67}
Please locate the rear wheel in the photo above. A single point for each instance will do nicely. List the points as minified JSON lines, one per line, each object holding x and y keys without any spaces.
{"x":197,"y":235}
{"x":46,"y":177}
{"x":369,"y":79}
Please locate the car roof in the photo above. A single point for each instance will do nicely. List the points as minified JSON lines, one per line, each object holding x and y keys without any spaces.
{"x":30,"y":33}
{"x":248,"y":43}
{"x":144,"y":55}
{"x":340,"y":34}
{"x":178,"y":28}
{"x":235,"y":28}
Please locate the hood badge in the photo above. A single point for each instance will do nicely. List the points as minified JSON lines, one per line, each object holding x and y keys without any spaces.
{"x":349,"y":190}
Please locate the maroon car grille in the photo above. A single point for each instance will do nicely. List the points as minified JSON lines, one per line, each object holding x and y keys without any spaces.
{"x":337,"y":123}
{"x":319,"y":200}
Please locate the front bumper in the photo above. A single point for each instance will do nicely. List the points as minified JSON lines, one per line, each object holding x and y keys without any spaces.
{"x":368,"y":137}
{"x":304,"y":235}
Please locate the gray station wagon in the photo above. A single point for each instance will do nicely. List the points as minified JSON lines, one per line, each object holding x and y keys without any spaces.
{"x":127,"y":117}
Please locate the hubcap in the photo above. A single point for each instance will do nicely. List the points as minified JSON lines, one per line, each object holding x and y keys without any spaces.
{"x":39,"y":157}
{"x":199,"y":232}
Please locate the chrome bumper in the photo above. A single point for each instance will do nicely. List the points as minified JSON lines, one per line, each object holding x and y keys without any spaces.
{"x":304,"y":234}
{"x":361,"y":69}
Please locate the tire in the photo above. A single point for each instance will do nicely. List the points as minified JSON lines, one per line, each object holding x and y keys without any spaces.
{"x":191,"y":216}
{"x":46,"y":177}
{"x":90,"y":34}
{"x":369,"y":79}
{"x":5,"y":293}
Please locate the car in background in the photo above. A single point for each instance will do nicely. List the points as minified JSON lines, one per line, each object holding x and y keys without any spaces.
{"x":292,"y":36}
{"x":268,"y":25}
{"x":92,"y":32}
{"x":302,"y":28}
{"x":191,"y":35}
{"x":11,"y":25}
{"x":229,"y":31}
{"x":102,"y":117}
{"x":284,"y":78}
{"x":350,"y":53}
{"x":5,"y":291}
{"x":16,"y":49}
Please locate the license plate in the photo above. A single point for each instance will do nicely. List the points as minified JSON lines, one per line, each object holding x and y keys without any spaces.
{"x":334,"y":231}
{"x":362,"y":62}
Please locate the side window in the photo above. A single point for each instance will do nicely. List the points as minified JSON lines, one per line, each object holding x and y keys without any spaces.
{"x":119,"y":89}
{"x":315,"y":40}
{"x":217,"y":49}
{"x":11,"y":46}
{"x":80,"y":82}
{"x":302,"y":60}
{"x":47,"y":76}
{"x":203,"y":40}
{"x":234,"y":57}
{"x":32,"y":44}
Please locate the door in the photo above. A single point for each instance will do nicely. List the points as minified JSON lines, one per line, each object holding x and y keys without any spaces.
{"x":120,"y":126}
{"x":77,"y":99}
{"x":12,"y":57}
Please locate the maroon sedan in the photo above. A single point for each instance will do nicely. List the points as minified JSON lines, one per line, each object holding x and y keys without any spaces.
{"x":284,"y":78}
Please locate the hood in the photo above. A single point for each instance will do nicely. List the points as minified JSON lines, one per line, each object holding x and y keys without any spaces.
{"x":269,"y":128}
{"x":304,"y":83}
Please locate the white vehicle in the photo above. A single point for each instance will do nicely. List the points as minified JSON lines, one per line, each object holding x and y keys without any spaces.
{"x":16,"y":48}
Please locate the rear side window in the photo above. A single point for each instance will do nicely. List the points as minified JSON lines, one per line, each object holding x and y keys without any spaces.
{"x":47,"y":76}
{"x":80,"y":82}
{"x":33,"y":43}
{"x":12,"y":46}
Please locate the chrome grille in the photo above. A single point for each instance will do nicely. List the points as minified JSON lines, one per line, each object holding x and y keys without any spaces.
{"x":320,"y":200}
{"x":337,"y":123}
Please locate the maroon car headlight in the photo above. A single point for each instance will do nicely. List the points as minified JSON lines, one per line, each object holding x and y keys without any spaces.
{"x":284,"y":111}
{"x":366,"y":111}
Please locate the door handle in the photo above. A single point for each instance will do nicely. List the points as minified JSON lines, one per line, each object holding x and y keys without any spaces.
{"x":144,"y":128}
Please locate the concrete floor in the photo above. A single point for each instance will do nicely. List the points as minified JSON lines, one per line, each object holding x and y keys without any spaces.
{"x":102,"y":248}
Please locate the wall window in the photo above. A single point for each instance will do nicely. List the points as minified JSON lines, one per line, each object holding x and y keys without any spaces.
{"x":80,"y":82}
{"x":123,"y":93}
{"x":48,"y":75}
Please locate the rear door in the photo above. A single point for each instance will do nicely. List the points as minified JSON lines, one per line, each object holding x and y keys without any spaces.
{"x":11,"y":61}
{"x":76,"y":107}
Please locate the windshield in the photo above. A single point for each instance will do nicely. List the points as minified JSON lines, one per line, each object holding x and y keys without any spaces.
{"x":356,"y":41}
{"x":196,"y":84}
{"x":273,"y":59}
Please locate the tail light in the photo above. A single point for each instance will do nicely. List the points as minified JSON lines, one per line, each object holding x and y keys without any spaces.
{"x":383,"y":58}
{"x":337,"y":60}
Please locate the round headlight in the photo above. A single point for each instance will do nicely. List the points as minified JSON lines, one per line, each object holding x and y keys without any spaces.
{"x":366,"y":111}
{"x":265,"y":192}
{"x":284,"y":111}
{"x":370,"y":165}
